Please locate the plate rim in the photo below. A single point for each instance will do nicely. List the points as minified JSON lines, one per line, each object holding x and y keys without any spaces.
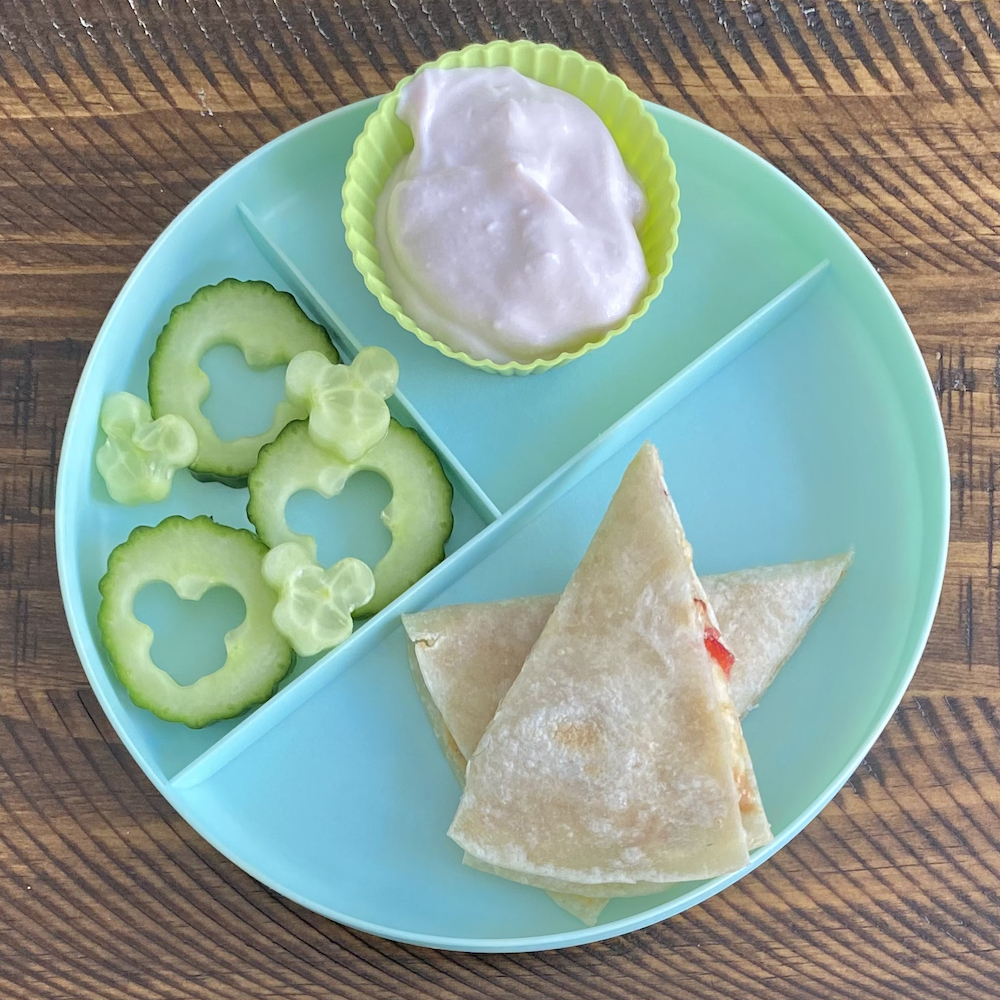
{"x":79,"y":628}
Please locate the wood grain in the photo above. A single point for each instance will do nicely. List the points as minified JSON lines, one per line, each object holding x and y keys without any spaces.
{"x":115,"y":113}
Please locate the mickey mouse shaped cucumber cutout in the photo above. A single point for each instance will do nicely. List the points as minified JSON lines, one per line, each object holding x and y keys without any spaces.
{"x":314,"y":607}
{"x":267,"y":326}
{"x":346,"y":403}
{"x":140,"y":455}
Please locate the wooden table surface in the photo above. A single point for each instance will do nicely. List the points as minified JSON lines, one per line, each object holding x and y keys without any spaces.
{"x":115,"y":113}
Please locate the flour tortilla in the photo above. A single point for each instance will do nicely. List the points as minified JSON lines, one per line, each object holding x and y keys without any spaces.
{"x":472,"y":653}
{"x":616,"y":757}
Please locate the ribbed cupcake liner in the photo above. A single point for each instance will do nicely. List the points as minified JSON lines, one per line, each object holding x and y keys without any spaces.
{"x":386,"y":140}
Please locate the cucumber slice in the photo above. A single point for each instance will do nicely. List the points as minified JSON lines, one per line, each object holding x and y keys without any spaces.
{"x":267,"y":326}
{"x":193,"y":556}
{"x":418,"y":515}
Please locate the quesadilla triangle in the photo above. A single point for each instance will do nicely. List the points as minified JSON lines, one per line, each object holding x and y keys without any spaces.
{"x":616,"y":757}
{"x":465,"y":657}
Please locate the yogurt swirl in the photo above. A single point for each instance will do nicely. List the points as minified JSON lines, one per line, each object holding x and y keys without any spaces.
{"x":509,"y":231}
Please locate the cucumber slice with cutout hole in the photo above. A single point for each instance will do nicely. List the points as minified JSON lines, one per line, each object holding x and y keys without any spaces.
{"x":193,"y":556}
{"x":418,"y":516}
{"x":267,"y":326}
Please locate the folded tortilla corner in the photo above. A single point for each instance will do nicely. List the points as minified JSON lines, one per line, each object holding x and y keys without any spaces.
{"x":766,"y":612}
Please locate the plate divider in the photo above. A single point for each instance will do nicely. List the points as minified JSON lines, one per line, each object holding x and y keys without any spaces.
{"x":500,"y":528}
{"x":348,"y":346}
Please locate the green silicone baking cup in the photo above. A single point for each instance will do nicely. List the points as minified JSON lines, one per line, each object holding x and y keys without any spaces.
{"x":386,"y":140}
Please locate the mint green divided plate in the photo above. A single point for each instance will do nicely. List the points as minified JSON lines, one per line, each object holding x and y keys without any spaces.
{"x":795,"y":419}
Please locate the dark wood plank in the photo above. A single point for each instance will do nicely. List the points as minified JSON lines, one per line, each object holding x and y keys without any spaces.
{"x":113,"y":115}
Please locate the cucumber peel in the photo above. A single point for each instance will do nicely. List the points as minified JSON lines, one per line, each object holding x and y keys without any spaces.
{"x":140,"y":455}
{"x":345,"y":403}
{"x":418,"y":516}
{"x":193,"y":556}
{"x":314,"y":604}
{"x":267,"y":326}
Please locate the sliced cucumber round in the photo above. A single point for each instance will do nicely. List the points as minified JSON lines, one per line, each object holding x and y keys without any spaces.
{"x":267,"y":326}
{"x":418,"y":516}
{"x":193,"y":556}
